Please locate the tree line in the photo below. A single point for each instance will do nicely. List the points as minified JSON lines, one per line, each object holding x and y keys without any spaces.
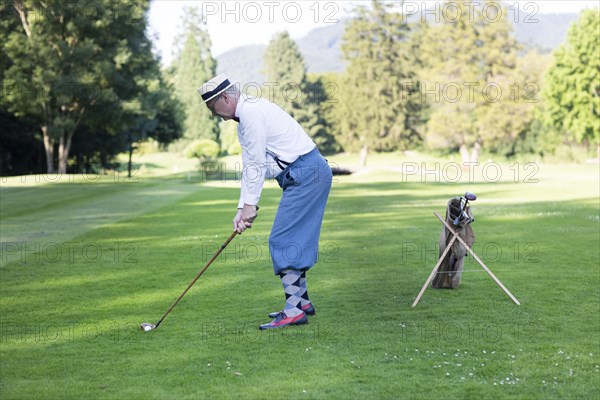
{"x":461,"y":85}
{"x":80,"y":83}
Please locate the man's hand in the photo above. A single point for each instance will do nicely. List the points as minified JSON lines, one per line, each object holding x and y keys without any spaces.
{"x":244,"y":218}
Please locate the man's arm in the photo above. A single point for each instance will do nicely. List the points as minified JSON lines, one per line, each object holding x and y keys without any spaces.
{"x":254,"y":155}
{"x":254,"y":147}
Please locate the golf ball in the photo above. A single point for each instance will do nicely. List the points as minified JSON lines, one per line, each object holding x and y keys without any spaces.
{"x":147,"y":328}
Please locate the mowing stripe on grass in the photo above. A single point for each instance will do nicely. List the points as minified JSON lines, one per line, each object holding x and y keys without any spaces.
{"x":56,"y":213}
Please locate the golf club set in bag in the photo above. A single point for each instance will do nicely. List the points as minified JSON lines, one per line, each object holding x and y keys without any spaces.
{"x":458,"y":213}
{"x":456,"y":239}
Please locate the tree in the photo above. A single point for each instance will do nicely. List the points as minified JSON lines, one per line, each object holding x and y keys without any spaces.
{"x":321,"y":94}
{"x":378,"y":101}
{"x":506,"y":122}
{"x":21,"y":152}
{"x":470,"y":56}
{"x":192,"y":65}
{"x":285,"y":73}
{"x":63,"y":65}
{"x":572,"y":90}
{"x":289,"y":87}
{"x":69,"y":66}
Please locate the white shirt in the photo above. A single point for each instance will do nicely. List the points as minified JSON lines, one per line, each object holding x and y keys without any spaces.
{"x":265,"y":128}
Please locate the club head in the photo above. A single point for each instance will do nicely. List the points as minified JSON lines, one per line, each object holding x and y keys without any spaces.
{"x":470,"y":196}
{"x":147,"y":327}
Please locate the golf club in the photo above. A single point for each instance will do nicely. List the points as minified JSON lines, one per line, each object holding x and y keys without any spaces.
{"x":463,"y":206}
{"x":148,"y":327}
{"x":470,"y":196}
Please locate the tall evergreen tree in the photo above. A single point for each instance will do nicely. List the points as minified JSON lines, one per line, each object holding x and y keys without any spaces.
{"x":470,"y":56}
{"x":288,"y":86}
{"x":192,"y":65}
{"x":321,"y":94}
{"x":378,"y":101}
{"x":285,"y":73}
{"x":572,"y":91}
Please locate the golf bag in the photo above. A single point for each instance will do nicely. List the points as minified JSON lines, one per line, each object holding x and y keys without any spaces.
{"x":458,"y":216}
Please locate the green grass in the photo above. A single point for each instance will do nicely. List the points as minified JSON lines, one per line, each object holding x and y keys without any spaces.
{"x":84,"y":262}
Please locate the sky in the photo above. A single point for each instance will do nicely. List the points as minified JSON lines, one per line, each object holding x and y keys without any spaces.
{"x":238,"y":23}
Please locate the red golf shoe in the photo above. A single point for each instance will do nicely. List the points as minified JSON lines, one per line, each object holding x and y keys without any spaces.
{"x":283,"y":320}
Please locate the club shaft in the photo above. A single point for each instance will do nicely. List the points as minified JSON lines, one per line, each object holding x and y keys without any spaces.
{"x":229,"y":239}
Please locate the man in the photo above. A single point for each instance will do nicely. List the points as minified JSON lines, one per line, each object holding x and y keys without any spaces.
{"x":275,"y":145}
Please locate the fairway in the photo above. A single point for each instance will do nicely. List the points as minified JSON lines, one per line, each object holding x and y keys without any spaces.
{"x":85,"y":261}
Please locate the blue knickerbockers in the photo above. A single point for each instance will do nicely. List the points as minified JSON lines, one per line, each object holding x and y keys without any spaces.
{"x":294,"y":239}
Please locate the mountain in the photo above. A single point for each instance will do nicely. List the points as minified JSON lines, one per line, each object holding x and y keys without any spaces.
{"x":322,"y":53}
{"x":547,"y":34}
{"x":243,"y":64}
{"x":320,"y":49}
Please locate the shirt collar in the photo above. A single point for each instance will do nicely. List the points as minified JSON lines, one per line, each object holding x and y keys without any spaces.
{"x":239,"y":106}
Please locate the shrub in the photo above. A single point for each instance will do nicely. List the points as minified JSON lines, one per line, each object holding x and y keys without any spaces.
{"x":203,"y":149}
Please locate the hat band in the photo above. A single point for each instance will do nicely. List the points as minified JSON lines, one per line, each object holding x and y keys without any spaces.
{"x":217,"y":90}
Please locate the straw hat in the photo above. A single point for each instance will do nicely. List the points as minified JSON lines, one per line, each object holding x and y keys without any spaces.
{"x":214,"y":87}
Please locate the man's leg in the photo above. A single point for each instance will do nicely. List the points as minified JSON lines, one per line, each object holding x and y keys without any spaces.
{"x":292,"y":314}
{"x":294,"y":239}
{"x":305,"y":303}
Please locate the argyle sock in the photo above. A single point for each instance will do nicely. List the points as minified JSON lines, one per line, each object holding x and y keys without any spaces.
{"x":304,"y":300}
{"x":290,"y":279}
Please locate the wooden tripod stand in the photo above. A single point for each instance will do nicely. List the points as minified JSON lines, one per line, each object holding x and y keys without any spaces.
{"x":455,"y":237}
